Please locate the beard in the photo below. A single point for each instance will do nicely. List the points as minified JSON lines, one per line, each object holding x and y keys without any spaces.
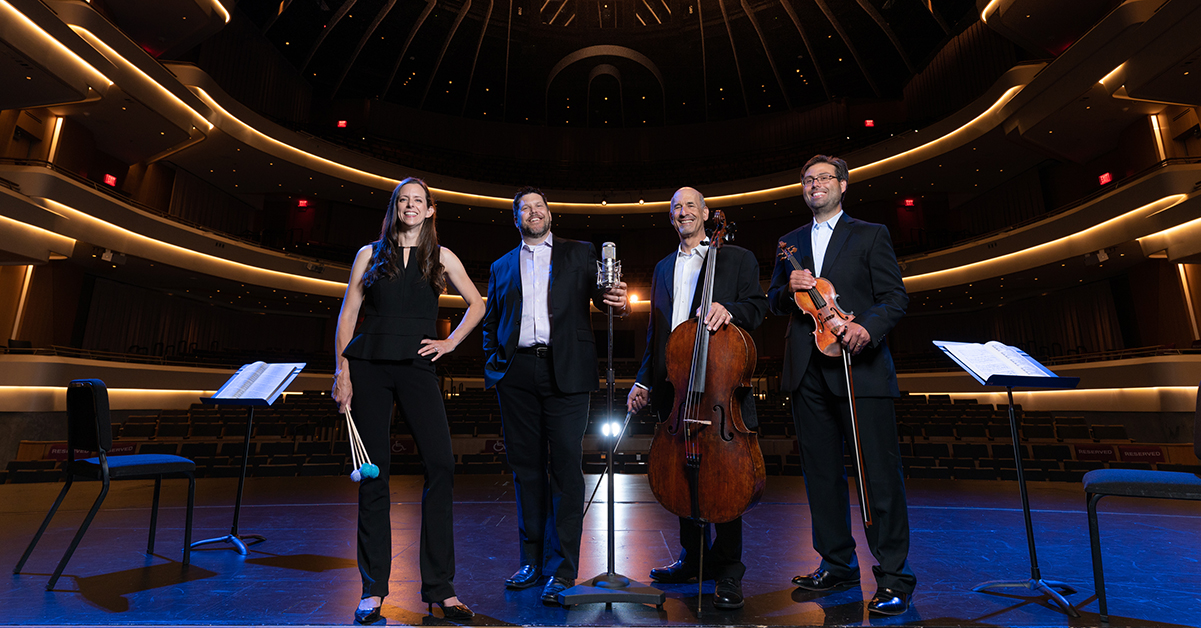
{"x":530,"y":233}
{"x":832,"y":199}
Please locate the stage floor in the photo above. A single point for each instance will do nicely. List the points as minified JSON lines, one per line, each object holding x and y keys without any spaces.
{"x":963,"y":533}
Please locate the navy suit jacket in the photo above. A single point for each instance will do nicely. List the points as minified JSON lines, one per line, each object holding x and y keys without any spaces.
{"x":735,"y":286}
{"x":862,"y":266}
{"x":572,"y":288}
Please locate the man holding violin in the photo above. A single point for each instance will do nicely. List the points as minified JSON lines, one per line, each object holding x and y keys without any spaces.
{"x":675,"y":298}
{"x":857,"y":258}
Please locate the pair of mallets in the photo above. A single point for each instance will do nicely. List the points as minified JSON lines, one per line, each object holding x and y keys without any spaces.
{"x":363,"y":468}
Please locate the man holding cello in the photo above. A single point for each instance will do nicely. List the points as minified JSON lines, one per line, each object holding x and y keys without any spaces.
{"x":857,"y":259}
{"x":737,"y":299}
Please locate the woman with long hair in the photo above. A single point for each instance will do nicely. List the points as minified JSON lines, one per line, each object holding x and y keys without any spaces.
{"x":395,"y":282}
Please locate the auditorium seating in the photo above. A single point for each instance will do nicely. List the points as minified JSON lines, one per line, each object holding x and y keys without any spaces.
{"x":304,"y":435}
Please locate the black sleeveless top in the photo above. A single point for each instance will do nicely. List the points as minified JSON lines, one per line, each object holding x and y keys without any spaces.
{"x":397,"y":314}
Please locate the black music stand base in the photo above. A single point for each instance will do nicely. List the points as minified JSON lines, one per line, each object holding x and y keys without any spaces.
{"x":1036,"y":582}
{"x":610,"y":588}
{"x":233,"y":537}
{"x":239,"y":542}
{"x":1045,"y":587}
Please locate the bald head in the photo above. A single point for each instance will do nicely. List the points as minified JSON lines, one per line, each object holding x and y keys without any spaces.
{"x":688,"y":216}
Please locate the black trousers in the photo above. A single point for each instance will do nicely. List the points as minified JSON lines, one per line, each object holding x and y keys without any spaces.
{"x":544,"y":433}
{"x":413,"y":386}
{"x":723,"y":555}
{"x":823,"y":424}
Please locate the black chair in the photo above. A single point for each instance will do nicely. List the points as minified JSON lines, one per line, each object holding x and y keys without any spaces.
{"x":89,"y":429}
{"x":1136,"y":483}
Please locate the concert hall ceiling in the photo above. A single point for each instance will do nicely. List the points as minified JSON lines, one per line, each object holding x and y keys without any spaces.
{"x":598,"y":63}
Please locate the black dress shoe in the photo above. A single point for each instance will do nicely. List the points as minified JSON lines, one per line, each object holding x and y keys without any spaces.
{"x":676,"y":572}
{"x":822,"y":580}
{"x":457,"y":612}
{"x":728,"y":594}
{"x":367,"y":616}
{"x":888,"y":602}
{"x":556,"y":585}
{"x":525,"y":577}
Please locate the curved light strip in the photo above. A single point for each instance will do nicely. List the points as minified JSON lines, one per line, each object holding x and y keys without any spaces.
{"x":66,"y":242}
{"x":176,"y":255}
{"x":113,"y":55}
{"x":1146,"y":399}
{"x":1171,"y":232}
{"x":221,"y":8}
{"x":225,"y":117}
{"x":988,"y":9}
{"x":6,"y":8}
{"x":1075,"y":244}
{"x":866,"y":171}
{"x":724,"y":200}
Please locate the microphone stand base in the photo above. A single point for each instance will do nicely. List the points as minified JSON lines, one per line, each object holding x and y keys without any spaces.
{"x":610,"y":588}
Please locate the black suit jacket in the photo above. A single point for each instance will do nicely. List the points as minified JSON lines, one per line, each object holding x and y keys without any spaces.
{"x":861,"y":264}
{"x":572,"y":287}
{"x":735,"y":286}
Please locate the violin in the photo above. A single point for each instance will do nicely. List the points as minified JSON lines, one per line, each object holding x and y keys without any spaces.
{"x":821,"y":303}
{"x":830,"y":322}
{"x":704,"y":463}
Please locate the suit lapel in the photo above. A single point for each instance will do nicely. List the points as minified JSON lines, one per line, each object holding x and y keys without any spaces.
{"x":515,"y":272}
{"x":558,"y":251}
{"x":842,"y":231}
{"x":804,"y":248}
{"x":668,"y":280}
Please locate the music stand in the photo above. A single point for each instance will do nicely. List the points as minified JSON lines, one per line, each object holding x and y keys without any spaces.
{"x":255,"y":384}
{"x":1033,"y":375}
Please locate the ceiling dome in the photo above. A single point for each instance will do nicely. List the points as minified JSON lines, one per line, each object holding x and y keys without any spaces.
{"x":608,"y":63}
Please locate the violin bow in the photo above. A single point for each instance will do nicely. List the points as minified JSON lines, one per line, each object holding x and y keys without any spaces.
{"x":786,"y":253}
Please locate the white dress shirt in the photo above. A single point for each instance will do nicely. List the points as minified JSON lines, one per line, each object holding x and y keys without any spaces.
{"x":688,"y":269}
{"x":535,"y":293}
{"x":820,"y":238}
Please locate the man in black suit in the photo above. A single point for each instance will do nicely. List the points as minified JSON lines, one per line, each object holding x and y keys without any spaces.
{"x":541,"y":355}
{"x":675,"y":298}
{"x":857,"y":258}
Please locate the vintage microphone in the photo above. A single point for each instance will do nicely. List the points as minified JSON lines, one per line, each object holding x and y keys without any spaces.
{"x":608,"y":268}
{"x":610,"y":586}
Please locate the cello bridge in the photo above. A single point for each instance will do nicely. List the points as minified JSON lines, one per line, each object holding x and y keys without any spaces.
{"x":698,"y":421}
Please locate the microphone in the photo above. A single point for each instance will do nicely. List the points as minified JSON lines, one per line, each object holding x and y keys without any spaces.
{"x":608,"y":268}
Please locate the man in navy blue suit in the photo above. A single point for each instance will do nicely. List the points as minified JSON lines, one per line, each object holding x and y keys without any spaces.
{"x":675,"y":298}
{"x":857,"y":258}
{"x":541,"y":356}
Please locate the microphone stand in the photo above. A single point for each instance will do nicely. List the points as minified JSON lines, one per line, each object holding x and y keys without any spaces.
{"x":611,"y":586}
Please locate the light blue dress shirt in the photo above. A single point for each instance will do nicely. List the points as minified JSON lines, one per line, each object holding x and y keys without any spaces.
{"x":535,"y":293}
{"x":820,"y":238}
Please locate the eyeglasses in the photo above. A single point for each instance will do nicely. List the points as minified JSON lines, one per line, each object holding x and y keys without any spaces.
{"x":821,"y":178}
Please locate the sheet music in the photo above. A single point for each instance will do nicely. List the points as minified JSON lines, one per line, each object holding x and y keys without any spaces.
{"x":259,"y":381}
{"x":993,"y":358}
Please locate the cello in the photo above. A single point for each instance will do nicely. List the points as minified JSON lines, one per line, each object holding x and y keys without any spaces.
{"x":821,"y":304}
{"x":705,"y":464}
